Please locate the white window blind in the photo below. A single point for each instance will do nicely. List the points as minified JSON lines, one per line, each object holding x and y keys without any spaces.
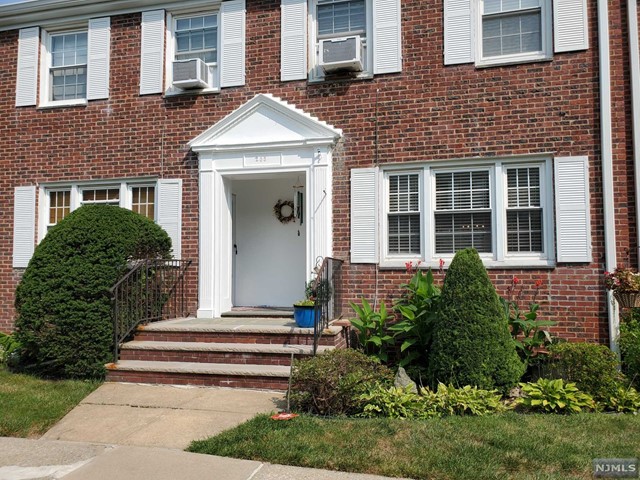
{"x":403,"y":217}
{"x":524,"y":210}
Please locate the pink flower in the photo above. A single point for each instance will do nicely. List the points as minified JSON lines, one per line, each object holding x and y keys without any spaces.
{"x":409,"y":266}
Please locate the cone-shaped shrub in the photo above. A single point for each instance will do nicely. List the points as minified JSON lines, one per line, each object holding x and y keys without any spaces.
{"x":63,"y":301}
{"x":472,"y":344}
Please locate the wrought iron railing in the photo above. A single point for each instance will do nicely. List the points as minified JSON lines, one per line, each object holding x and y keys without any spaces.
{"x":327,"y":291}
{"x":154,"y":289}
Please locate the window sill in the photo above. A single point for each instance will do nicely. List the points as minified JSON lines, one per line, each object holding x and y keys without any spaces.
{"x":186,"y":93}
{"x":512,"y":60}
{"x":338,"y":79}
{"x":63,"y":103}
{"x":520,"y":263}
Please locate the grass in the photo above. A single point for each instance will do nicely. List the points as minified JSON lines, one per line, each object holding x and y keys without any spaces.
{"x":29,"y":406}
{"x":500,"y":446}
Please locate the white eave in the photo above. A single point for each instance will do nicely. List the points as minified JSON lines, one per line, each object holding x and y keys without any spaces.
{"x":52,"y":12}
{"x":265,"y":121}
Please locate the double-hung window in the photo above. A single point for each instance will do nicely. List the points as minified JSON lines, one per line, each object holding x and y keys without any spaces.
{"x":338,"y":18}
{"x":68,"y":66}
{"x":501,"y":208}
{"x":462,"y":212}
{"x":197,"y":37}
{"x":404,"y":217}
{"x":514,"y":30}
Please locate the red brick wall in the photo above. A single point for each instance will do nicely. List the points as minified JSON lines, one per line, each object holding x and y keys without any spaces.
{"x":427,"y":112}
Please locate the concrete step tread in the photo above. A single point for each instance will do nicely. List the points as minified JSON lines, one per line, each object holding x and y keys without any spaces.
{"x":210,"y":327}
{"x":201,"y":368}
{"x":222,"y":347}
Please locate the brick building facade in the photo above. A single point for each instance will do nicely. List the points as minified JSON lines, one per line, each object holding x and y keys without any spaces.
{"x":430,"y":124}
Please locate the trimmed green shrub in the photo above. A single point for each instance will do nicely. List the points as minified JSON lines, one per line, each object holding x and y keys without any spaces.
{"x":471,"y":340}
{"x":593,"y":368}
{"x":63,"y":301}
{"x":555,"y":396}
{"x":630,"y":346}
{"x":331,"y":383}
{"x":10,"y":350}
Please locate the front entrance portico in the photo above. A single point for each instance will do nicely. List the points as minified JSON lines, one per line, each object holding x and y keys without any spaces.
{"x":252,"y":155}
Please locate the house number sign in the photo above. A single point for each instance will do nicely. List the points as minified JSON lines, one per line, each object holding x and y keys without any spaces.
{"x":262,"y":160}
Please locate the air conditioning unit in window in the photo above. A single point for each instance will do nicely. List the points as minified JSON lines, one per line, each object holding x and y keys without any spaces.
{"x":192,"y":73}
{"x":341,"y":54}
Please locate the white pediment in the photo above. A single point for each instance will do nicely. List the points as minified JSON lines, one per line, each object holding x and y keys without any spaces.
{"x":265,"y":121}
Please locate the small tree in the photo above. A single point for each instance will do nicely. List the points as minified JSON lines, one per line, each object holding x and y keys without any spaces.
{"x":63,"y":301}
{"x":472,"y":344}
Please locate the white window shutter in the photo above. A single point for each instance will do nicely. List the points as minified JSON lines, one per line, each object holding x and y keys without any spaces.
{"x":27,"y":74}
{"x":24,"y":225}
{"x":98,"y":58}
{"x":570,"y":25}
{"x":152,"y":52}
{"x":364,"y":215}
{"x":293,"y":40}
{"x":387,"y":38}
{"x":458,"y":32}
{"x":170,"y":212}
{"x":232,"y":36}
{"x":573,"y":220}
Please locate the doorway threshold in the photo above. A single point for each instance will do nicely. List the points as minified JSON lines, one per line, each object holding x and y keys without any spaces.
{"x":260,"y":311}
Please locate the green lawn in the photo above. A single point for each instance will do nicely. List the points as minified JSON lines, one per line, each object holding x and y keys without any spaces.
{"x":29,"y":406}
{"x":500,"y":446}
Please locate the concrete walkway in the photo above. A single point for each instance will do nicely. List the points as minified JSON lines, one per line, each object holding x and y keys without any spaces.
{"x":138,"y":432}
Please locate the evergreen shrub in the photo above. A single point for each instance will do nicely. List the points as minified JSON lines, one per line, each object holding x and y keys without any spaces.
{"x":63,"y":302}
{"x":471,"y":340}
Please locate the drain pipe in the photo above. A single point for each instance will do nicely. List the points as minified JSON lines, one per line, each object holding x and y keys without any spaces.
{"x":607,"y":164}
{"x":634,"y":66}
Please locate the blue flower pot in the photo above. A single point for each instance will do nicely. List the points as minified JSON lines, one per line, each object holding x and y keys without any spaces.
{"x":305,"y":317}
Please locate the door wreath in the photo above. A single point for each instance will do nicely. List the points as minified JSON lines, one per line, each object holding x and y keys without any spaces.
{"x":283,"y":205}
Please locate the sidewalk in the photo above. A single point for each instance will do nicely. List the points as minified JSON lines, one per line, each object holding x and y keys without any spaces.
{"x":138,"y":432}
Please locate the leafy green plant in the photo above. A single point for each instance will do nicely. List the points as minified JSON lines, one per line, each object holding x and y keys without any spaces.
{"x":371,"y":330}
{"x":527,"y":330}
{"x":418,"y":308}
{"x":630,"y":345}
{"x":471,"y":340}
{"x":447,"y":400}
{"x":63,"y":302}
{"x":554,"y":396}
{"x":395,"y":402}
{"x":331,"y":383}
{"x":9,"y":349}
{"x":623,"y":400}
{"x":304,"y":303}
{"x":593,"y":368}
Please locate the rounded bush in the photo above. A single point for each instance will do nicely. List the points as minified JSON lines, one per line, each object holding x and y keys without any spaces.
{"x":471,"y":340}
{"x":630,"y":346}
{"x":63,"y":302}
{"x":332,"y":382}
{"x":593,"y":368}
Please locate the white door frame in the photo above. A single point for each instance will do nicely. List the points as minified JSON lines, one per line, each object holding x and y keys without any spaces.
{"x":217,"y":168}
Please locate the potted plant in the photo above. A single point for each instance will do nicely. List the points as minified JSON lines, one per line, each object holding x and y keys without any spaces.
{"x":304,"y":313}
{"x":625,"y":285}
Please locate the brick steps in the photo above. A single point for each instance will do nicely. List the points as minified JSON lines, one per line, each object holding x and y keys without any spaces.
{"x":270,"y":377}
{"x":215,"y":352}
{"x":241,"y":352}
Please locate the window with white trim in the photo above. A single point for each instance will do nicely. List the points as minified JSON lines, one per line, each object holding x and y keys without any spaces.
{"x":462,"y":212}
{"x":501,"y":208}
{"x":59,"y":201}
{"x":341,"y":29}
{"x":514,"y":30}
{"x":524,"y":210}
{"x":68,"y":66}
{"x":403,"y":217}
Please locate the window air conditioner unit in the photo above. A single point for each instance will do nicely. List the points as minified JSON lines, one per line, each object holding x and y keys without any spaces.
{"x":192,"y":73}
{"x":341,"y":54}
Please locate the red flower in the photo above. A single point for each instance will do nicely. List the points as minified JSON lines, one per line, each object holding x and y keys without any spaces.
{"x":515,"y":280}
{"x":538,"y":283}
{"x":408,"y":266}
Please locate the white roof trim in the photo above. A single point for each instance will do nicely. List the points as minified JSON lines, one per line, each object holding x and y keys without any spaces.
{"x":290,"y":127}
{"x":54,"y":12}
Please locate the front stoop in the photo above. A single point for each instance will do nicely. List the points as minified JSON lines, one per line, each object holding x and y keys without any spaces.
{"x":245,"y":353}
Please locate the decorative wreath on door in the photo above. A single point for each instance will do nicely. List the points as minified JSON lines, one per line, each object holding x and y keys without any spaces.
{"x":281,"y":211}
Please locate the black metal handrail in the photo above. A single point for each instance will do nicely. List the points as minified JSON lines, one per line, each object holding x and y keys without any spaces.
{"x":152,"y":290}
{"x":327,"y":294}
